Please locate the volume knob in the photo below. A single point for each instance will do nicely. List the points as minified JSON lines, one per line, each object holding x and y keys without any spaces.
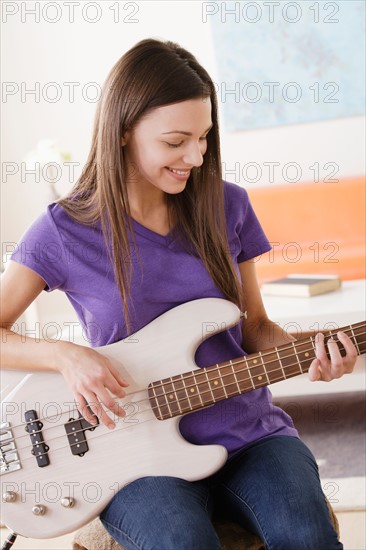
{"x":9,"y":496}
{"x":39,"y":510}
{"x":67,"y":502}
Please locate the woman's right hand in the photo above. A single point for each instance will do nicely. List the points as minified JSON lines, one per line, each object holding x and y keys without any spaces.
{"x":90,"y":375}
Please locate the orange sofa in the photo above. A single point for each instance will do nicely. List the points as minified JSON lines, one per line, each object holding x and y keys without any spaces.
{"x":313,"y":228}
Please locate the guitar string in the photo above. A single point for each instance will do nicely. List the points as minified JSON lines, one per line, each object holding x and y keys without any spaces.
{"x":200,"y":373}
{"x":97,"y":436}
{"x":259,"y":357}
{"x":139,"y":413}
{"x":34,"y":457}
{"x":243,"y":359}
{"x":247,"y":369}
{"x":103,"y":434}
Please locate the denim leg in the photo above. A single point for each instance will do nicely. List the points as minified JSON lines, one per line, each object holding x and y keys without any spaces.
{"x":273,"y":488}
{"x":162,"y":513}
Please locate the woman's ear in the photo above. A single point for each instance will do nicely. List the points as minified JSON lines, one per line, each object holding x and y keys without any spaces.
{"x":125,"y":138}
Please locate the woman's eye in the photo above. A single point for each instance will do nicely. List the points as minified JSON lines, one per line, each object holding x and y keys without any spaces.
{"x":174,"y":144}
{"x":179,"y":144}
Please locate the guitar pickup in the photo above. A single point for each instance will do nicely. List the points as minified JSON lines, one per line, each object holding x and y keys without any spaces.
{"x":75,"y":430}
{"x":39,"y":448}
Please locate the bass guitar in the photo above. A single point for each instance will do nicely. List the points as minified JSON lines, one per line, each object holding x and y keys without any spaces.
{"x":58,"y":471}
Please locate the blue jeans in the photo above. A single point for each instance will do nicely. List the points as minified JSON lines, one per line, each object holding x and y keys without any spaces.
{"x":271,"y":488}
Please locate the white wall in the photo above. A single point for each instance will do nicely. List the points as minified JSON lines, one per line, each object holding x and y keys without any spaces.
{"x":83,"y":52}
{"x":78,"y":52}
{"x":319,"y":151}
{"x":36,"y":53}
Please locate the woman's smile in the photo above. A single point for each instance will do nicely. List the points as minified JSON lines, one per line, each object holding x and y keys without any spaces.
{"x":181,"y":175}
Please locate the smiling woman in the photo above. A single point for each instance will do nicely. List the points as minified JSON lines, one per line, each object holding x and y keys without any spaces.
{"x":160,"y":163}
{"x":175,"y":244}
{"x":177,"y":98}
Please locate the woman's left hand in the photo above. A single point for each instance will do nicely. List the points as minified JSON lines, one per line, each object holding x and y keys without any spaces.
{"x":326,"y":369}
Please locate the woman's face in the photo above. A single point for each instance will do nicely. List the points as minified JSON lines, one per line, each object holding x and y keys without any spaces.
{"x":166,"y":144}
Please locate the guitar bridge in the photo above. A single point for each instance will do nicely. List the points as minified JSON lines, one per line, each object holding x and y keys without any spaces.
{"x":9,"y":460}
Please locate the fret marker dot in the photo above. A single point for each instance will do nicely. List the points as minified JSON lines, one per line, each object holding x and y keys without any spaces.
{"x":260,"y":377}
{"x":215,"y":383}
{"x":255,"y":361}
{"x":171,"y":396}
{"x":192,"y":390}
{"x":306,"y":354}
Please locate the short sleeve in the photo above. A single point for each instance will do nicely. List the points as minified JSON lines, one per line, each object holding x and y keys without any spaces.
{"x":42,"y":250}
{"x":246,"y":237}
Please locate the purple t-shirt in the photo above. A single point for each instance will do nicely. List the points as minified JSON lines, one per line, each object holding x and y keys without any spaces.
{"x":72,"y":257}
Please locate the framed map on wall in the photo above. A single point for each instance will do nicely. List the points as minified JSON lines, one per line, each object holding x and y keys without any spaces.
{"x":284,"y":62}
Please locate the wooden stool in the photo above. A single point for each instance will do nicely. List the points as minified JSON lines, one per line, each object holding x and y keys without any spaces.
{"x":94,"y":536}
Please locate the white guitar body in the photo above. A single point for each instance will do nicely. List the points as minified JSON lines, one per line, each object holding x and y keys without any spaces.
{"x":139,"y":446}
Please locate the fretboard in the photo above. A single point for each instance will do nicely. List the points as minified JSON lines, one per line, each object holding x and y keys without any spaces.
{"x":200,"y":388}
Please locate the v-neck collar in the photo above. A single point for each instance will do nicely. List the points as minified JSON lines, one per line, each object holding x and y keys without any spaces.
{"x":152,"y":235}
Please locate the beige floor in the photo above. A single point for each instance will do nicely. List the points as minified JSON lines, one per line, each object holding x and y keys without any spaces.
{"x":352,"y":525}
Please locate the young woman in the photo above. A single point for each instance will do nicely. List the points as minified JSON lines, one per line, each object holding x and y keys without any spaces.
{"x":150,"y":225}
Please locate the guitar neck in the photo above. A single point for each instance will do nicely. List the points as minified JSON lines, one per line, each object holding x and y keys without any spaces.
{"x":197,"y":389}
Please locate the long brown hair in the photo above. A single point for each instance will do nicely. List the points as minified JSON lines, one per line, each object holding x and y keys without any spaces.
{"x":152,"y":74}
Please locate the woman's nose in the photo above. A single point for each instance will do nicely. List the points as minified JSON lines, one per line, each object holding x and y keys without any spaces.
{"x":193,"y":156}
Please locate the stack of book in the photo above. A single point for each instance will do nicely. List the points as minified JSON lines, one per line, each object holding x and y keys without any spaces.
{"x":301,"y":285}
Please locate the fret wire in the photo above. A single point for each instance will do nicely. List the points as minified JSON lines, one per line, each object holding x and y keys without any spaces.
{"x":355,"y":339}
{"x":167,"y":402}
{"x":279,"y":359}
{"x":220,"y":376}
{"x":312,"y":343}
{"x":264,"y":367}
{"x":189,"y":401}
{"x":185,"y":389}
{"x":156,"y":399}
{"x":197,"y":375}
{"x":234,"y":373}
{"x":199,"y":394}
{"x":209,"y":385}
{"x":175,"y":393}
{"x":250,"y":374}
{"x":297,"y":356}
{"x":195,"y":385}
